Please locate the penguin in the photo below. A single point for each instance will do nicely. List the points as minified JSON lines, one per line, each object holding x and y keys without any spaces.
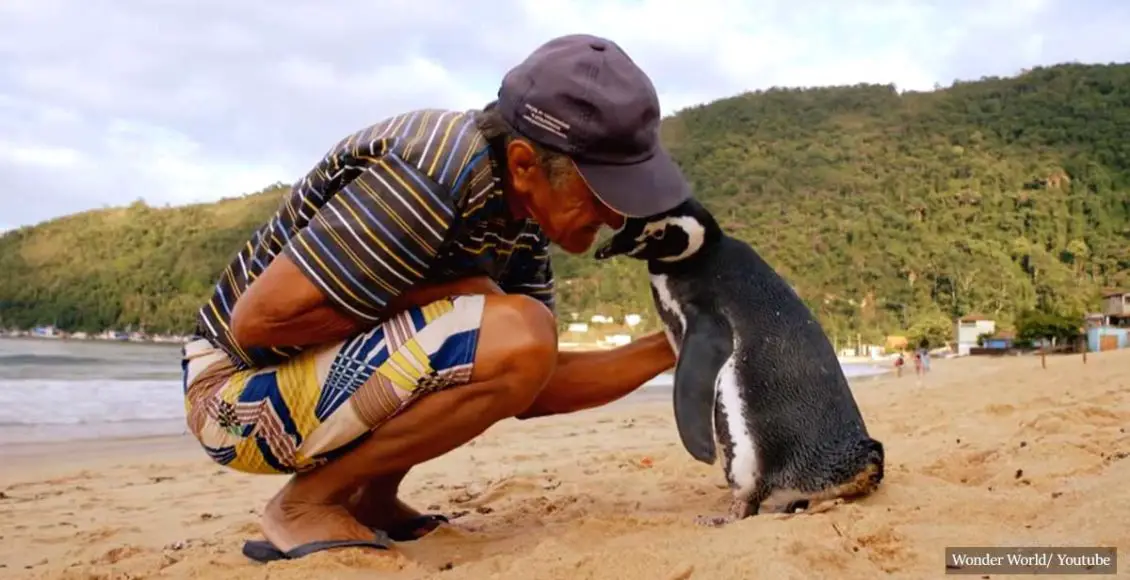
{"x":757,"y":382}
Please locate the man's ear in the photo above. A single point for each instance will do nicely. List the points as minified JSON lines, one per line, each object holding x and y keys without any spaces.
{"x":522,"y":163}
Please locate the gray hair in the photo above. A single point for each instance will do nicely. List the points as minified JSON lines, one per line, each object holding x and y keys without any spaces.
{"x":558,"y":167}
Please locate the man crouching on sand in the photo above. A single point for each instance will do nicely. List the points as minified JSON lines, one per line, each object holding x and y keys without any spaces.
{"x":401,"y":299}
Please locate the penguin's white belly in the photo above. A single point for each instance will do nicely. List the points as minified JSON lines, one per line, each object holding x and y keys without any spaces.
{"x":743,"y":463}
{"x":743,"y":467}
{"x":669,"y":308}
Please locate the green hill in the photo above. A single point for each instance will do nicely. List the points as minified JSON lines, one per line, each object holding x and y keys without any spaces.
{"x":886,"y":211}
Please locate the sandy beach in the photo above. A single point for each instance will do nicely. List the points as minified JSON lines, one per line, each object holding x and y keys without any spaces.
{"x":984,"y":452}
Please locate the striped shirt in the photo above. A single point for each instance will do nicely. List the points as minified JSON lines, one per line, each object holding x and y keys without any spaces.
{"x":414,"y":197}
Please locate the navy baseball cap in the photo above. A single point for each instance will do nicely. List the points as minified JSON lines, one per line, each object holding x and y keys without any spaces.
{"x":583,"y":96}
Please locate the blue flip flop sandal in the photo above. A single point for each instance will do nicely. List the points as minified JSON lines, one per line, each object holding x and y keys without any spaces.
{"x":264,"y":551}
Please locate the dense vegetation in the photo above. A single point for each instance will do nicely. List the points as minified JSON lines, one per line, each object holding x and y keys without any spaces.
{"x":890,"y":213}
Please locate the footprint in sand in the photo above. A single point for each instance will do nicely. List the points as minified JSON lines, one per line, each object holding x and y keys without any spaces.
{"x":886,"y":549}
{"x":118,"y":554}
{"x":475,"y":495}
{"x":966,"y":468}
{"x":1000,"y":409}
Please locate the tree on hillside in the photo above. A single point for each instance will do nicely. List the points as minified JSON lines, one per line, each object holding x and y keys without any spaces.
{"x":1033,"y":326}
{"x":932,"y":328}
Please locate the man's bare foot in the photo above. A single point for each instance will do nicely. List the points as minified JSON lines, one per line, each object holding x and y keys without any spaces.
{"x":382,"y":513}
{"x":288,"y":522}
{"x":378,"y":506}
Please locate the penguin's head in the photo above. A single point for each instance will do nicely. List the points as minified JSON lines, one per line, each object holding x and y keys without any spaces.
{"x":671,"y":236}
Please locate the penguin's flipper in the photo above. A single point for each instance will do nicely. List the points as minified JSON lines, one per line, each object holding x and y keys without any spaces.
{"x":705,"y":347}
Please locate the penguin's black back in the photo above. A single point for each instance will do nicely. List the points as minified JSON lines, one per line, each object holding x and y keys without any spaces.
{"x":799,"y":405}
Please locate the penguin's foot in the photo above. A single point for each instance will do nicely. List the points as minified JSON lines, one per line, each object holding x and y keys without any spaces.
{"x":739,"y":510}
{"x":825,"y":506}
{"x":797,"y":506}
{"x":803,"y":507}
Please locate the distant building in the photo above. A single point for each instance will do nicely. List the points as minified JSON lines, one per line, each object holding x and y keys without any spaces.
{"x":1095,"y":320}
{"x":1116,"y":306}
{"x":1102,"y":338}
{"x":1110,"y":329}
{"x":45,"y":332}
{"x":1002,"y":340}
{"x":896,"y":343}
{"x":967,"y":329}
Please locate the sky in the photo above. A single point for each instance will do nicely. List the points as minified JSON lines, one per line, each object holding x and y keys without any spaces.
{"x":103,"y":102}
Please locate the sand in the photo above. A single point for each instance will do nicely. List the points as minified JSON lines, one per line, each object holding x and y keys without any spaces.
{"x":984,"y":452}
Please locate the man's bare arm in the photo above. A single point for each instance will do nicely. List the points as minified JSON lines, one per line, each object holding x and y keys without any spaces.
{"x":428,"y":293}
{"x":584,"y":380}
{"x":283,"y":308}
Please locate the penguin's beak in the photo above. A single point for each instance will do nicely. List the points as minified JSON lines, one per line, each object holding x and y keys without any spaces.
{"x":604,"y":251}
{"x":618,"y":244}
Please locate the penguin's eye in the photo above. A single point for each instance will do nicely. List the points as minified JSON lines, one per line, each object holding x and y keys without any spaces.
{"x":658,"y":234}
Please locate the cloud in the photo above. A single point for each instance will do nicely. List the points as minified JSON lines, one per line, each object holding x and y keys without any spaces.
{"x":178,"y":102}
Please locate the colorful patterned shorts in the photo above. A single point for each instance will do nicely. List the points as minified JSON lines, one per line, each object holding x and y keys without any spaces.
{"x":297,"y":415}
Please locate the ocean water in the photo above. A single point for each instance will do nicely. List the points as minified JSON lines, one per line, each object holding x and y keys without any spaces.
{"x":59,"y":390}
{"x":52,"y":390}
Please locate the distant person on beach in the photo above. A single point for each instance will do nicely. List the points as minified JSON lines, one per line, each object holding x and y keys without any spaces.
{"x":924,"y":355}
{"x":401,"y":300}
{"x":899,"y":363}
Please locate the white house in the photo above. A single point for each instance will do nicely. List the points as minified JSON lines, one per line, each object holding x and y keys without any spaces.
{"x":968,"y":328}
